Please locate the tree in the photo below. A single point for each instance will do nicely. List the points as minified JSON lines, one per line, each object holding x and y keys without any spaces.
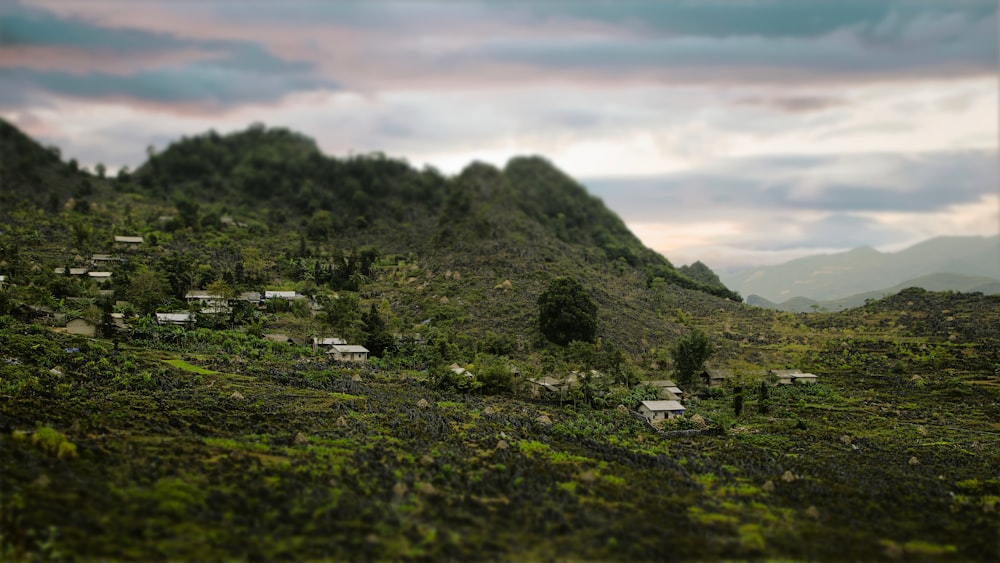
{"x":566,"y":312}
{"x":690,"y":353}
{"x":145,"y":291}
{"x":100,"y":169}
{"x":377,"y":338}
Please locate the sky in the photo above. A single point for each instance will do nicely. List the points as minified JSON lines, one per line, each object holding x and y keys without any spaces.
{"x":737,"y":132}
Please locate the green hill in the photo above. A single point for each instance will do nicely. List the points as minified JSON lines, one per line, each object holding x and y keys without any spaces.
{"x":481,"y":245}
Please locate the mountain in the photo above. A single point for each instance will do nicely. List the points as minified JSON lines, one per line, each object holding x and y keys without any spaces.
{"x":932,"y":282}
{"x":470,"y":252}
{"x":862,"y":270}
{"x":31,"y":172}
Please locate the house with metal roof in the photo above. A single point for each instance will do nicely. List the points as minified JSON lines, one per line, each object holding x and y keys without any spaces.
{"x":348,"y":353}
{"x":660,"y":410}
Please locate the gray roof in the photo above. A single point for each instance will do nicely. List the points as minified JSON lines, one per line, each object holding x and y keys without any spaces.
{"x":786,"y":372}
{"x":131,"y":240}
{"x":201,"y":294}
{"x":182,"y":317}
{"x":281,"y":295}
{"x":660,"y":406}
{"x":277,"y":337}
{"x":348,"y":349}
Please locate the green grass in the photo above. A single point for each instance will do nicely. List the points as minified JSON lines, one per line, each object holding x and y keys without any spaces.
{"x":181,"y":364}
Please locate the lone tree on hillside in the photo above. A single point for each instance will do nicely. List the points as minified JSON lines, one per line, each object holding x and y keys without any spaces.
{"x":566,"y":312}
{"x":690,"y":353}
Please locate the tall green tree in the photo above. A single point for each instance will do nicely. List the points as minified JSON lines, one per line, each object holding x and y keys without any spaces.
{"x":566,"y":312}
{"x":690,"y":353}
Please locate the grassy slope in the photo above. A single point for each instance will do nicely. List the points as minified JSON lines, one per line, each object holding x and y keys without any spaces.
{"x":180,"y":469}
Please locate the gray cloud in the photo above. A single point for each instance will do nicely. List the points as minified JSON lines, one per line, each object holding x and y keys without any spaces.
{"x":229,"y":73}
{"x":796,"y":184}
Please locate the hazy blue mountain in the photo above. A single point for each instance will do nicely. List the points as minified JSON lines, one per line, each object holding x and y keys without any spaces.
{"x":932,"y":282}
{"x":862,"y":270}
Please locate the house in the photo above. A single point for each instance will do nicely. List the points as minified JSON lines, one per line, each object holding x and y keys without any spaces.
{"x":249,"y":297}
{"x":2,"y":280}
{"x":459,"y":370}
{"x":660,"y":410}
{"x":276,"y":337}
{"x":287,"y":295}
{"x":72,"y":271}
{"x":348,"y":353}
{"x":665,"y":386}
{"x":785,"y":376}
{"x":805,"y":379}
{"x":181,"y":318}
{"x":127,"y":242}
{"x":100,"y":277}
{"x":102,"y":259}
{"x":793,"y":377}
{"x":118,"y":320}
{"x":82,"y":327}
{"x":202,"y":297}
{"x":716,"y":377}
{"x":540,"y":386}
{"x":326,"y":342}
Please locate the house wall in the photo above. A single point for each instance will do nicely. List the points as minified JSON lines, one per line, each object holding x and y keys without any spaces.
{"x":82,"y":328}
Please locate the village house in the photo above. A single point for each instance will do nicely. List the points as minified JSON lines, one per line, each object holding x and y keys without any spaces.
{"x":83,"y":327}
{"x":660,"y":410}
{"x":348,"y":353}
{"x":716,"y":377}
{"x":127,"y":241}
{"x":326,"y":342}
{"x":252,"y":297}
{"x":459,"y":370}
{"x":287,"y":295}
{"x":277,"y":337}
{"x":202,"y":297}
{"x":72,"y":271}
{"x":103,"y":259}
{"x":666,"y":387}
{"x":793,"y":377}
{"x":100,"y":277}
{"x":210,"y":303}
{"x":2,"y":280}
{"x":180,"y":318}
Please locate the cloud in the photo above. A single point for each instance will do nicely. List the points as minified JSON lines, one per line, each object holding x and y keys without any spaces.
{"x":69,"y":56}
{"x":742,"y":212}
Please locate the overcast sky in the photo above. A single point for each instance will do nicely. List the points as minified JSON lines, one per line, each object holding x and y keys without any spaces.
{"x":736,"y":132}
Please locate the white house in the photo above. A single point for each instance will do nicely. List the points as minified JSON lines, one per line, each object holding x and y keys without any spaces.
{"x":288,"y":295}
{"x":72,"y":271}
{"x":348,"y":353}
{"x":181,"y":318}
{"x":127,"y":241}
{"x":660,"y":410}
{"x":794,"y":377}
{"x":82,"y":327}
{"x":100,"y":277}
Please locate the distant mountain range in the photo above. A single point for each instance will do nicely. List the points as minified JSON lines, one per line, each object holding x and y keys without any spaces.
{"x":847,"y":279}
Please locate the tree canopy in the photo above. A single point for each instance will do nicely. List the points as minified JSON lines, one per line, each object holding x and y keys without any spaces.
{"x":690,"y":353}
{"x":566,"y":312}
